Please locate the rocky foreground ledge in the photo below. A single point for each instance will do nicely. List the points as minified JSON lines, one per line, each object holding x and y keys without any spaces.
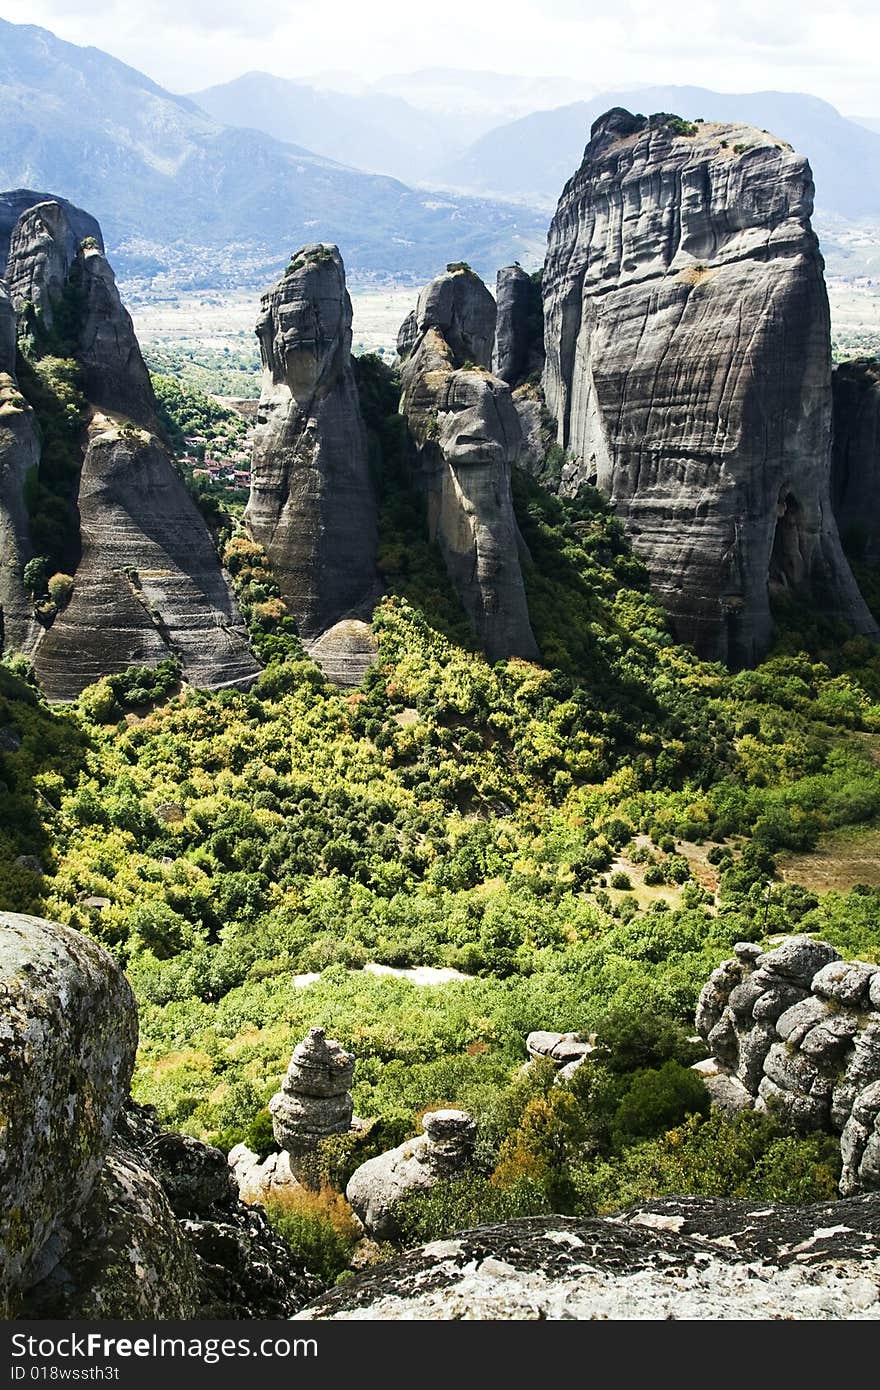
{"x":676,"y":1258}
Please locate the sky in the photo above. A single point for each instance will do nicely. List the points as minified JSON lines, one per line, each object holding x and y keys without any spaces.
{"x":826,"y":47}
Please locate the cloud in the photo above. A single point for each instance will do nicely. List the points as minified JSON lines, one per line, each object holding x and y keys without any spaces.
{"x":827,"y":47}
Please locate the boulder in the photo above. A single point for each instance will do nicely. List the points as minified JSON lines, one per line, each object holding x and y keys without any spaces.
{"x":260,"y":1180}
{"x":312,"y":504}
{"x":377,"y":1187}
{"x":127,"y":1256}
{"x":713,"y":441}
{"x":68,"y":1033}
{"x":346,"y":651}
{"x":149,"y":583}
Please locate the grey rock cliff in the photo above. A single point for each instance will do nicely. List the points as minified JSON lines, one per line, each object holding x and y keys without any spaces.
{"x":689,"y":371}
{"x":855,"y":473}
{"x":68,"y":1033}
{"x":148,"y":584}
{"x":467,"y":437}
{"x":19,"y":458}
{"x":799,"y":1030}
{"x":679,"y":1258}
{"x":18,"y":201}
{"x":312,"y":504}
{"x":519,"y":331}
{"x":102,"y":1214}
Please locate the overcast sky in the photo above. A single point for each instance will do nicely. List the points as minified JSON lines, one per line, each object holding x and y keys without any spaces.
{"x":827,"y":47}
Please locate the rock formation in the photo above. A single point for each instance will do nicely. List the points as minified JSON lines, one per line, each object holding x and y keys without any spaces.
{"x":312,"y":504}
{"x":467,"y":437}
{"x":689,"y":370}
{"x":799,"y":1030}
{"x":407,"y":335}
{"x":678,"y":1258}
{"x":855,"y":471}
{"x":102,"y":1215}
{"x":566,"y":1051}
{"x":148,"y":584}
{"x":314,"y":1100}
{"x":14,"y":204}
{"x":444,"y":1150}
{"x":19,"y":459}
{"x":519,"y":330}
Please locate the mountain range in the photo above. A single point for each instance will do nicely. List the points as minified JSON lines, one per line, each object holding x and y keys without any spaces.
{"x":214,"y":188}
{"x":175,"y":190}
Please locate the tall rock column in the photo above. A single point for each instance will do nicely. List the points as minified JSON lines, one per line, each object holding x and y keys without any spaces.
{"x":467,"y":437}
{"x":148,"y":584}
{"x":19,"y":461}
{"x":689,"y":370}
{"x":312,"y":504}
{"x":855,"y":474}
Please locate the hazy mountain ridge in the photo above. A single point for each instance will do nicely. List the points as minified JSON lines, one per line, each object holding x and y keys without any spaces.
{"x":164,"y":178}
{"x":536,"y":154}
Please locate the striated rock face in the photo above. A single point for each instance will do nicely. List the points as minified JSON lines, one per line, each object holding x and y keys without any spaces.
{"x":444,"y":1150}
{"x":314,"y":1099}
{"x":102,"y":1214}
{"x":519,"y":330}
{"x":42,"y":252}
{"x":19,"y":457}
{"x":20,"y":200}
{"x":407,"y":335}
{"x":799,"y":1030}
{"x":68,"y":1033}
{"x":467,"y":437}
{"x":855,"y":473}
{"x":149,"y":584}
{"x":115,"y":374}
{"x":688,"y":368}
{"x":681,"y":1258}
{"x":312,"y":504}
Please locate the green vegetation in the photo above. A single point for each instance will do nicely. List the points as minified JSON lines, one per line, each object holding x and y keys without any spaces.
{"x":222,"y":371}
{"x":501,"y":819}
{"x":186,"y":410}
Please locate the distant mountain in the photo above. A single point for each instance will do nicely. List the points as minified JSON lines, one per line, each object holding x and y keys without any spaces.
{"x":492,"y":97}
{"x":178,"y":193}
{"x":534,"y":156}
{"x":371,"y":130}
{"x":869,"y":122}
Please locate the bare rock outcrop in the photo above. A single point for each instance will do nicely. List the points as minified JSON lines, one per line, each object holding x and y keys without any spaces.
{"x":467,"y":437}
{"x":102,"y":1213}
{"x":855,"y":473}
{"x":312,"y":504}
{"x":444,"y":1151}
{"x":798,"y":1030}
{"x":519,"y":330}
{"x":314,"y":1101}
{"x":148,"y":583}
{"x":689,"y":370}
{"x":678,"y":1258}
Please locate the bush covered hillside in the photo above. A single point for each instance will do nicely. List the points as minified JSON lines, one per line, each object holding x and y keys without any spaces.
{"x":583,"y":840}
